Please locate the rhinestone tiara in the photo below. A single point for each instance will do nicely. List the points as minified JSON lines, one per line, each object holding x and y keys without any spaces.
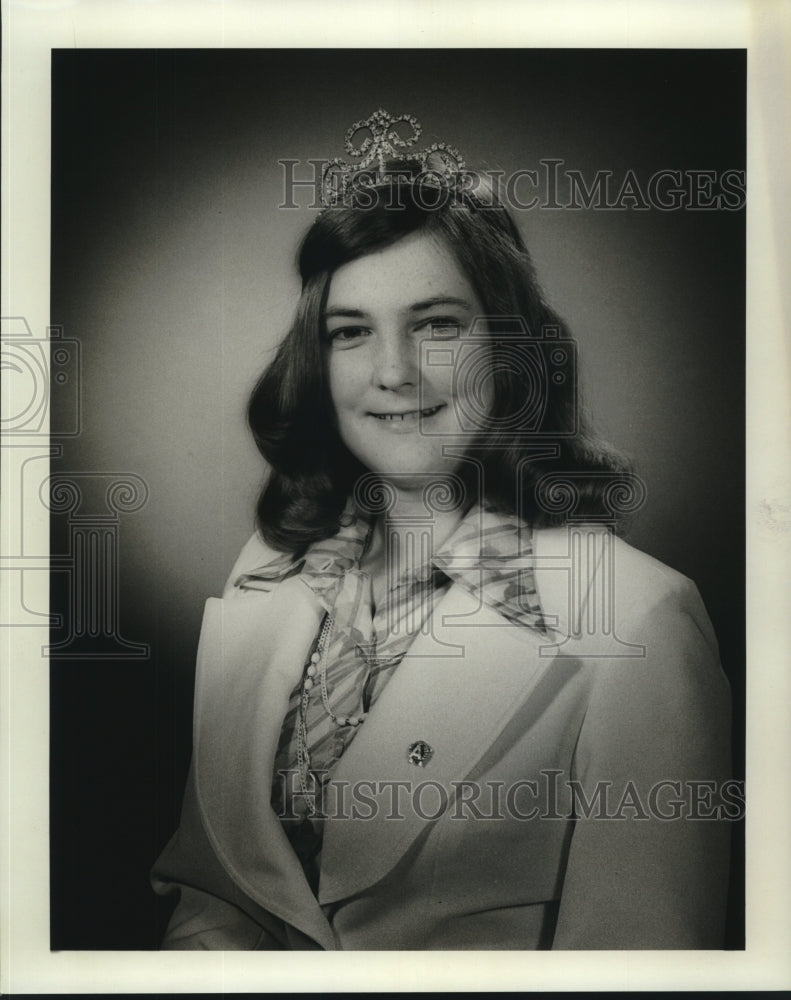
{"x":438,"y":163}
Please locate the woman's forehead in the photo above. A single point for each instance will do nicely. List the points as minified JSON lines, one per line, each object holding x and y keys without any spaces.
{"x":417,"y":268}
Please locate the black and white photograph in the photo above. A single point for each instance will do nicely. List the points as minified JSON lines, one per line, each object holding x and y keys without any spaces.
{"x":395,"y":472}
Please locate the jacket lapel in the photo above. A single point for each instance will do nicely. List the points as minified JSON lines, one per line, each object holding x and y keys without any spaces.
{"x":251,"y":653}
{"x":455,"y":690}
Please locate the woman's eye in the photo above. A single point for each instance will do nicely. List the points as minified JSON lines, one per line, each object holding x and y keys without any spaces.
{"x":445,"y":328}
{"x":347,"y":334}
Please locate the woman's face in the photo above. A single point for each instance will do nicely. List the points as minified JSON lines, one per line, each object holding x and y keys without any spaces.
{"x":397,"y":326}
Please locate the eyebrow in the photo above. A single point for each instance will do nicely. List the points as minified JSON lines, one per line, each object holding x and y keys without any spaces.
{"x":343,"y":311}
{"x":437,"y":300}
{"x":440,"y":300}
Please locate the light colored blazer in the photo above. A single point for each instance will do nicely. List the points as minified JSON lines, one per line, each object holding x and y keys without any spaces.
{"x":646,"y":726}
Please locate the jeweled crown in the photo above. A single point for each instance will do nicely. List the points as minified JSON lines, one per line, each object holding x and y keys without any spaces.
{"x":385,"y":143}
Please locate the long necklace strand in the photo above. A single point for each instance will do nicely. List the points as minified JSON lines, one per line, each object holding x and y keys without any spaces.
{"x":317,"y":665}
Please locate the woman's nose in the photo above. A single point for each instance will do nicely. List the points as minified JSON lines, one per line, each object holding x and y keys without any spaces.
{"x":395,"y":362}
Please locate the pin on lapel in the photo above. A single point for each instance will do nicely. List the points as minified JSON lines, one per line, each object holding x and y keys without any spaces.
{"x":420,"y":753}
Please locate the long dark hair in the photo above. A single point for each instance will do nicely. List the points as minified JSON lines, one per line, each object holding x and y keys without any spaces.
{"x":290,"y":411}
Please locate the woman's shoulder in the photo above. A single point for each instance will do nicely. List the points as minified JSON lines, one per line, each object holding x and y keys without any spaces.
{"x":258,"y":567}
{"x":602,"y":569}
{"x":644,"y":650}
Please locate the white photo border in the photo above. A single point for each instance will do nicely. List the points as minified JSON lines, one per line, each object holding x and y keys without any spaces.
{"x":30,"y":31}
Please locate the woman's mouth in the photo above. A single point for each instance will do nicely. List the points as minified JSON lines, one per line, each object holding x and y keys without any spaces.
{"x":409,"y":416}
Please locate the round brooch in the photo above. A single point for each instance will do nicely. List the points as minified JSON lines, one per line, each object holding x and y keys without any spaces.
{"x":419,"y":753}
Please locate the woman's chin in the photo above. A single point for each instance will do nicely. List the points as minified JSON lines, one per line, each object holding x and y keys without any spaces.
{"x":411,"y":490}
{"x":412,"y":472}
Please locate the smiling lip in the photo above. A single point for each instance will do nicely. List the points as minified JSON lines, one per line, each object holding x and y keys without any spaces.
{"x":407,"y":416}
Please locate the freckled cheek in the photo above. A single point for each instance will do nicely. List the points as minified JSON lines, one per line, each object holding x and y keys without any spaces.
{"x":448,"y":378}
{"x":346,"y":381}
{"x":436,"y":383}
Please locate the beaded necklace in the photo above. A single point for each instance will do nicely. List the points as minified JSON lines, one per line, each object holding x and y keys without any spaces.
{"x":317,"y":670}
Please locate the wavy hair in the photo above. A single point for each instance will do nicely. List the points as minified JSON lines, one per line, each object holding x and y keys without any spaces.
{"x":290,"y":412}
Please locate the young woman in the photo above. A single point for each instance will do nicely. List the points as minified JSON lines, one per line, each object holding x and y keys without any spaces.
{"x":440,"y":704}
